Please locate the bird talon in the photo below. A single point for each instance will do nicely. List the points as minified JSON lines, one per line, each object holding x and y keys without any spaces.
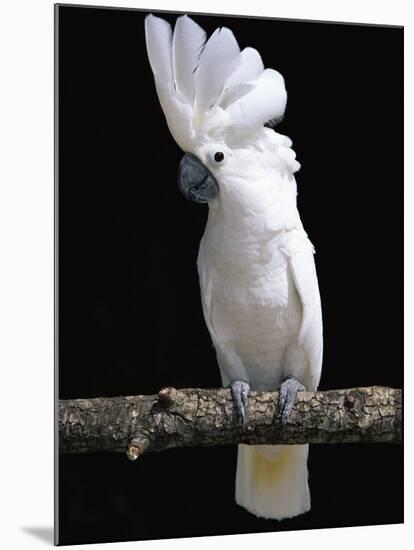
{"x":287,"y":397}
{"x":240,"y":391}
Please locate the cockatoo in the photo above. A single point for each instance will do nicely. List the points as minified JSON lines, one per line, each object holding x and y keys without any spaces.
{"x":259,"y":288}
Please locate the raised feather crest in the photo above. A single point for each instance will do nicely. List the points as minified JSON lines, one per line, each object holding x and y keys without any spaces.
{"x":209,"y":85}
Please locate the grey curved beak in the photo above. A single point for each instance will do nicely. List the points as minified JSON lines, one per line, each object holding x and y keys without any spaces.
{"x":195,"y":181}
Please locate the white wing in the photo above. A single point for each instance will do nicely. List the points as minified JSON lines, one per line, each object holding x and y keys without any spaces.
{"x":299,"y":251}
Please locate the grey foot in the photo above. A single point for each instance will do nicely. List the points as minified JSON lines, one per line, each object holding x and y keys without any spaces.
{"x":240,"y":391}
{"x":287,"y":396}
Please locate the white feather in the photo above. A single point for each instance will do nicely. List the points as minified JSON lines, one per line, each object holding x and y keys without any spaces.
{"x":299,"y":251}
{"x":188,"y":42}
{"x":218,"y":60}
{"x":192,"y":76}
{"x":234,"y":94}
{"x":265,"y":102}
{"x":178,"y":115}
{"x":250,"y":67}
{"x":158,"y":35}
{"x":241,"y":81}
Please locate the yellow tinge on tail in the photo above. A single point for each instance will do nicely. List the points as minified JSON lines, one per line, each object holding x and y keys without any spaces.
{"x":272,"y":480}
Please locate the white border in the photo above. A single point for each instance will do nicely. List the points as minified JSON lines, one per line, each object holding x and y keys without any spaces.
{"x":26,"y":266}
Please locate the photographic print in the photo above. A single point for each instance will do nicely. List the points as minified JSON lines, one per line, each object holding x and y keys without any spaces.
{"x":229,"y":213}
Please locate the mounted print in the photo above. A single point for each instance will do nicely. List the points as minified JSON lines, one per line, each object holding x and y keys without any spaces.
{"x":229,"y":274}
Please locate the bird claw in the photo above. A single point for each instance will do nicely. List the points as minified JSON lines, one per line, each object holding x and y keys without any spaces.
{"x":287,"y":396}
{"x":240,"y":391}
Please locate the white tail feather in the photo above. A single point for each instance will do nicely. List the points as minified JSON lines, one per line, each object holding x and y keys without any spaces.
{"x":272,"y":481}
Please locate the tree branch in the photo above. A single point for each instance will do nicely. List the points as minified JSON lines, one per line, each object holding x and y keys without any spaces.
{"x":200,"y":417}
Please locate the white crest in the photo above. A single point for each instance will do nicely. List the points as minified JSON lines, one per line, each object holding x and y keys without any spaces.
{"x":209,"y":85}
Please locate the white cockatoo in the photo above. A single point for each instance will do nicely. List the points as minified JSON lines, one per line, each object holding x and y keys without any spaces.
{"x":259,"y":288}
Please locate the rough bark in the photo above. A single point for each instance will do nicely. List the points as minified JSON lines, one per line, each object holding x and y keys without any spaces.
{"x":191,"y":417}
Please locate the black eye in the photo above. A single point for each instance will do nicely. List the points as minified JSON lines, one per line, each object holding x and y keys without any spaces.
{"x":218,"y":157}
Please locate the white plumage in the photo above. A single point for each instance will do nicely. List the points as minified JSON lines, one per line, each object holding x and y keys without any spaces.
{"x":185,"y":59}
{"x":219,"y":58}
{"x":258,"y":281}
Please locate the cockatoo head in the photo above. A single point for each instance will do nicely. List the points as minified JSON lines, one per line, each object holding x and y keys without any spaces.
{"x":216,"y":100}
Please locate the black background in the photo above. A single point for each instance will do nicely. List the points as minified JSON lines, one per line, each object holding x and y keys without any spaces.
{"x":130,"y":318}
